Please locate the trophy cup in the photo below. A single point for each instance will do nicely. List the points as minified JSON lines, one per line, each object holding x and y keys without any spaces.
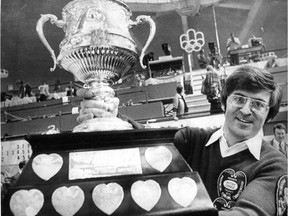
{"x":97,"y":50}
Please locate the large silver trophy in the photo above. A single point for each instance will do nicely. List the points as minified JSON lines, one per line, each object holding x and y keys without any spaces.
{"x":97,"y":49}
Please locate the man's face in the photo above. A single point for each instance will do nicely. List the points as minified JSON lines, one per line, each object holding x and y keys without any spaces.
{"x":241,"y":123}
{"x":279,"y":134}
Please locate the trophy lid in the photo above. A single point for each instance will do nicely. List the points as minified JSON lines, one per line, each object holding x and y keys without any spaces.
{"x":82,"y":2}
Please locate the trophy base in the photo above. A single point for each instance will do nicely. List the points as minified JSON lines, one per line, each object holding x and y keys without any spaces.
{"x":103,"y":124}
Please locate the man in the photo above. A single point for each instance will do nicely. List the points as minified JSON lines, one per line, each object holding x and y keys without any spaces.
{"x":44,"y":91}
{"x":232,"y":44}
{"x":179,"y":103}
{"x":146,"y":59}
{"x":279,"y":131}
{"x":15,"y":177}
{"x":202,"y":61}
{"x":21,"y":90}
{"x":212,"y":89}
{"x":240,"y":170}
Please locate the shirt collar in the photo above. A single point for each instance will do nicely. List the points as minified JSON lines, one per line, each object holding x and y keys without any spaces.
{"x":275,"y":142}
{"x":254,"y":144}
{"x":215,"y":136}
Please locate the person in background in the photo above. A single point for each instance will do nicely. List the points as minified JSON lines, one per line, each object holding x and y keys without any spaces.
{"x":139,"y":80}
{"x":15,"y":177}
{"x":232,"y":44}
{"x":146,"y":59}
{"x":212,"y":89}
{"x":71,"y":91}
{"x":243,"y":174}
{"x":178,"y":103}
{"x":202,"y":61}
{"x":21,"y":91}
{"x":271,"y":63}
{"x":279,"y":142}
{"x":28,"y":90}
{"x":57,"y":86}
{"x":44,"y":91}
{"x":214,"y":99}
{"x":214,"y":58}
{"x":5,"y":182}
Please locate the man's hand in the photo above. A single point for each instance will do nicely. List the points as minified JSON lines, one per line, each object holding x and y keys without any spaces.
{"x":97,"y":105}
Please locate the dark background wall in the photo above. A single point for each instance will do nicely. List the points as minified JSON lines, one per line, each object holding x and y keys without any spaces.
{"x":25,"y":57}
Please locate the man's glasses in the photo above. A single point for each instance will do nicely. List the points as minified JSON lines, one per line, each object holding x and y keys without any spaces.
{"x":256,"y":106}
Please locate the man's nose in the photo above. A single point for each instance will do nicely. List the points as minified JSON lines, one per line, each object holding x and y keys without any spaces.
{"x":246,"y":109}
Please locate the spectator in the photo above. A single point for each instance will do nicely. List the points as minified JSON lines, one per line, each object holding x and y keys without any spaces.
{"x":15,"y":177}
{"x":21,"y":92}
{"x":57,"y":86}
{"x":179,"y":103}
{"x":139,"y":80}
{"x":214,"y":58}
{"x":232,"y":44}
{"x":214,"y":99}
{"x":202,"y":61}
{"x":212,"y":89}
{"x":71,"y":91}
{"x":271,"y":63}
{"x":5,"y":182}
{"x":279,"y":132}
{"x":147,"y":58}
{"x":44,"y":91}
{"x":28,"y":90}
{"x":240,"y":170}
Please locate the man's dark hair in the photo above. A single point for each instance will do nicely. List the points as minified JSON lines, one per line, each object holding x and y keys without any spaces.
{"x":179,"y":89}
{"x":253,"y":79}
{"x":279,"y":126}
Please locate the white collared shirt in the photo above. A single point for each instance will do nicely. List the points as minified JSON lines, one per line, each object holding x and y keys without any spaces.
{"x":276,"y":144}
{"x":253,"y":144}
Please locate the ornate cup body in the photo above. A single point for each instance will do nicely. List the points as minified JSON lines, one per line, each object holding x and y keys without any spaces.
{"x":97,"y":44}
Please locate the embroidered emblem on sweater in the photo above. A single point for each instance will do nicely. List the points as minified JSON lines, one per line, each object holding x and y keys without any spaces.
{"x":230,"y":185}
{"x":221,"y":204}
{"x":282,"y":195}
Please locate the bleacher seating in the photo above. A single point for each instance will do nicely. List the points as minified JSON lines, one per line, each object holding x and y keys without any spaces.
{"x":36,"y":117}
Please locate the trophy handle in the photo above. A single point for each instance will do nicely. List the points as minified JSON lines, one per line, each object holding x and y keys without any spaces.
{"x":139,"y":20}
{"x":39,"y":28}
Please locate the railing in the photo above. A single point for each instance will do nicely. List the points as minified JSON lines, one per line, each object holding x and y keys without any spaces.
{"x":262,"y":55}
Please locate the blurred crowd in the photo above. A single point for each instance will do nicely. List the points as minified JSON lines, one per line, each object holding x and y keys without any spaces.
{"x":26,"y":94}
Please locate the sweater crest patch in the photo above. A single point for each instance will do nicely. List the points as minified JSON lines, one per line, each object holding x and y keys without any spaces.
{"x":282,"y":195}
{"x":230,"y":185}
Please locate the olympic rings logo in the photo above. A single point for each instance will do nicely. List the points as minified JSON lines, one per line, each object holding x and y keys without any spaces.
{"x":192,"y":41}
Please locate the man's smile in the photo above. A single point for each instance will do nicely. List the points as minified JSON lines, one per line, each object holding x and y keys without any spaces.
{"x":244,"y":120}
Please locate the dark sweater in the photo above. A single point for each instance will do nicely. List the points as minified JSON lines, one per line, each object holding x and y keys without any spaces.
{"x":240,"y":183}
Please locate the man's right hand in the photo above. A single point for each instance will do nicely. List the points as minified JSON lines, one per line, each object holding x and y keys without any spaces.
{"x":97,"y":105}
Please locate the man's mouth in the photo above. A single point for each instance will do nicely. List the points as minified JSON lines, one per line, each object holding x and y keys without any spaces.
{"x":244,"y":121}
